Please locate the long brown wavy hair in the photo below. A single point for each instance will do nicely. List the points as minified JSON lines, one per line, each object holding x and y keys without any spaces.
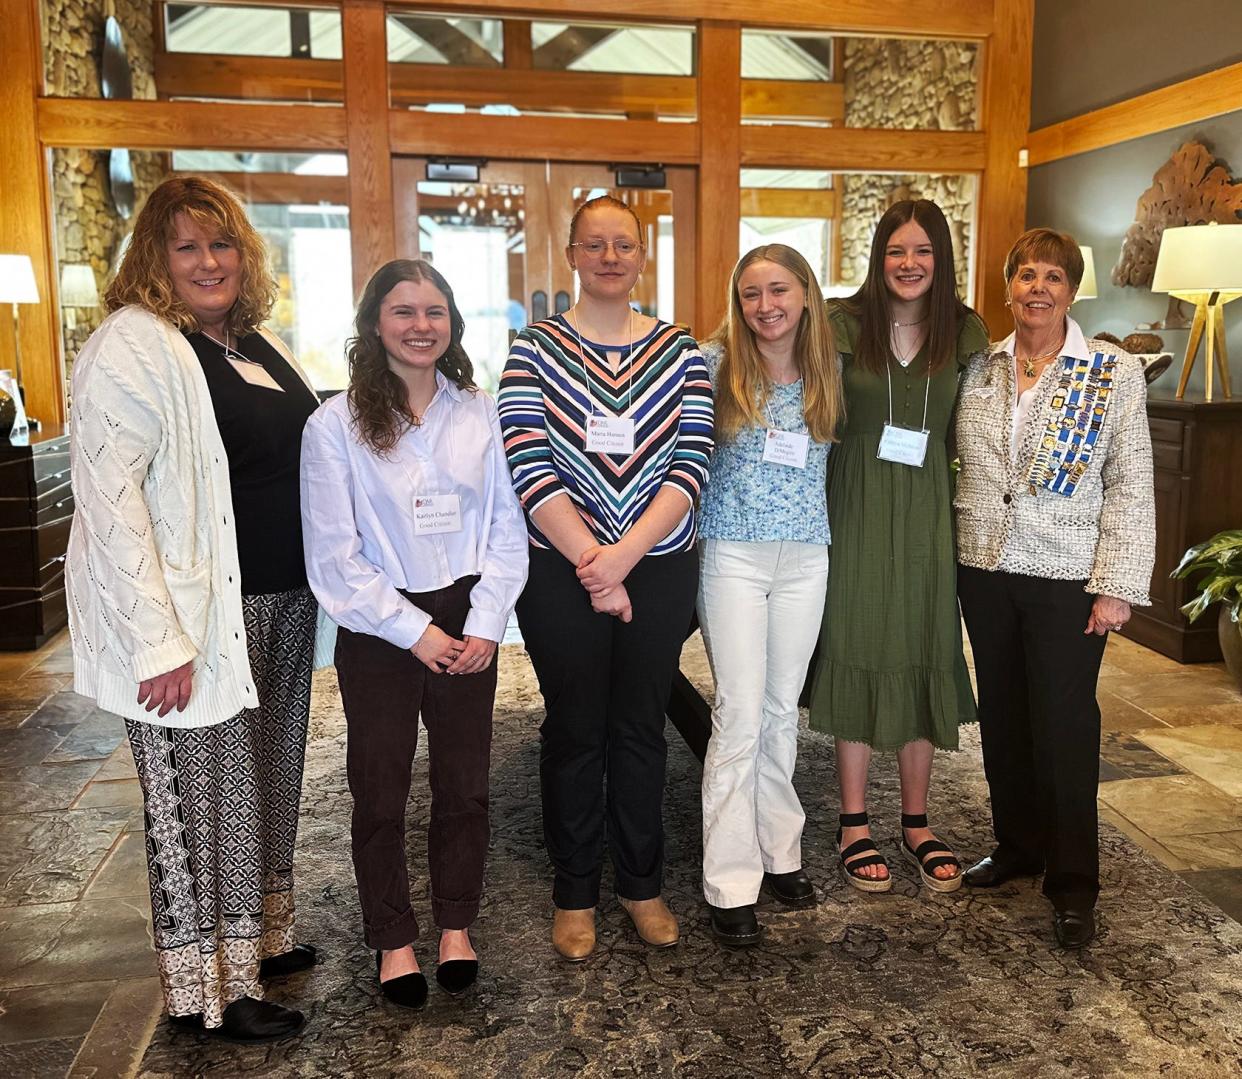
{"x":870,"y":304}
{"x":143,"y":278}
{"x":741,"y":390}
{"x":378,"y":398}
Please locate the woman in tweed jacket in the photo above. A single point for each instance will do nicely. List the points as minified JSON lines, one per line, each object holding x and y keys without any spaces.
{"x":1056,"y":539}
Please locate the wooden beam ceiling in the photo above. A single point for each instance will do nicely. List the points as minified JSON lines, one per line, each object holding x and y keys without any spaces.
{"x":455,"y":45}
{"x":572,"y":43}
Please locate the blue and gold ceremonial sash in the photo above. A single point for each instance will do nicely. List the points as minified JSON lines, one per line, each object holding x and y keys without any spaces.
{"x":1075,"y":418}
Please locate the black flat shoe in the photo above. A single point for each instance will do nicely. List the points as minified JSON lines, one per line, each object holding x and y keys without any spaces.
{"x":992,"y":871}
{"x":406,"y":990}
{"x":1073,"y":928}
{"x":793,"y":889}
{"x":455,"y":976}
{"x":246,"y":1022}
{"x":299,"y":957}
{"x":735,"y":926}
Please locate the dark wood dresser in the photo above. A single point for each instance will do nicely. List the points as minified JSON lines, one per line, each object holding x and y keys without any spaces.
{"x":1197,"y":453}
{"x":36,"y":508}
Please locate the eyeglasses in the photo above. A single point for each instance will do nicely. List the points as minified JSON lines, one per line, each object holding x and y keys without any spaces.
{"x":624,"y":249}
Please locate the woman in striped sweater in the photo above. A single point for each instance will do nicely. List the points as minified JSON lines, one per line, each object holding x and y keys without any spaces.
{"x":607,"y":418}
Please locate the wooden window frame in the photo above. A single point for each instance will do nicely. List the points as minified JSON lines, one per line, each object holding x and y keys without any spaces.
{"x":370,"y":130}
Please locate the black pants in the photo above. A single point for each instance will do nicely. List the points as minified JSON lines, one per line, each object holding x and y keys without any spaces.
{"x":605,"y":684}
{"x":1040,"y":723}
{"x":383,"y":690}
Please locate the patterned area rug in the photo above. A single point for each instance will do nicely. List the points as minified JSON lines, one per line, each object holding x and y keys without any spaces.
{"x":903,"y":984}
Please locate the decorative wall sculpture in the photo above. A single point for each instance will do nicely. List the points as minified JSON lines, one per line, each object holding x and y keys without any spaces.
{"x":1192,"y":188}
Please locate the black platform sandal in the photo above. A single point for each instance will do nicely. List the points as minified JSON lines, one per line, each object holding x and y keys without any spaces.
{"x":930,"y":856}
{"x":850,"y":863}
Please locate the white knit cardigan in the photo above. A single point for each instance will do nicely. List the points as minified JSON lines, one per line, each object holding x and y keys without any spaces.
{"x":1105,"y":532}
{"x":152,"y":572}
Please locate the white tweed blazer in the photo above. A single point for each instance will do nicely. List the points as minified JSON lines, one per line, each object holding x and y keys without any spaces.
{"x":152,"y":572}
{"x":1105,"y":532}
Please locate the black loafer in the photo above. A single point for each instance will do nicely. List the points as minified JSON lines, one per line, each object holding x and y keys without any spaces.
{"x":1073,"y":928}
{"x":793,"y":889}
{"x":735,"y":926}
{"x":455,"y":976}
{"x":299,"y":957}
{"x":992,"y":871}
{"x":247,"y":1022}
{"x":406,"y":990}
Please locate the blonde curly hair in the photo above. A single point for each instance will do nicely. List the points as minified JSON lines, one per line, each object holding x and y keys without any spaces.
{"x":143,"y":278}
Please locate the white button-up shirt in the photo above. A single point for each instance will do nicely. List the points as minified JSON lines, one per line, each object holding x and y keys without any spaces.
{"x":358,"y":518}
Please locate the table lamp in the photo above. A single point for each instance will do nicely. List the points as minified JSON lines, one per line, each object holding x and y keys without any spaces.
{"x":1086,"y":287}
{"x":1202,"y":264}
{"x":77,"y":289}
{"x":17,"y":285}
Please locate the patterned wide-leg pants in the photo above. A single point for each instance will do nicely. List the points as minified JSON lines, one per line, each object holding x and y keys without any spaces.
{"x":221,"y":806}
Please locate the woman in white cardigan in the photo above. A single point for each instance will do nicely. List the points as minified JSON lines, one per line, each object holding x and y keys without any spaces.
{"x":1056,"y":538}
{"x":188,"y":605}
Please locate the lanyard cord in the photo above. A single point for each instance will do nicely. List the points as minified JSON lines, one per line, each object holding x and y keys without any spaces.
{"x":586,"y":373}
{"x":229,"y":353}
{"x":888,"y":370}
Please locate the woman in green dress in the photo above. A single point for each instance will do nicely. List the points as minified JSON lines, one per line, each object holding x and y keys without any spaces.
{"x":890,"y":673}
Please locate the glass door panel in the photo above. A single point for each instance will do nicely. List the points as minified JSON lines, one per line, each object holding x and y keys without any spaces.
{"x":500,"y":242}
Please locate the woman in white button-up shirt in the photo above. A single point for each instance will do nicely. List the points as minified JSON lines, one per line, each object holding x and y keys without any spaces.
{"x":416,"y":547}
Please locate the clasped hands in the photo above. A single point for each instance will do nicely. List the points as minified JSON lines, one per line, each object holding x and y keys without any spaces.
{"x":442,"y":654}
{"x":602,"y":569}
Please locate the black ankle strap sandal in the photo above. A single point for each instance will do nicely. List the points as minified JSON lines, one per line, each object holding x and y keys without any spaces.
{"x":851,"y":863}
{"x":930,"y":856}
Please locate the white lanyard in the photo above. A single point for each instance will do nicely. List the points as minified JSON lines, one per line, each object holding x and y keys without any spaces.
{"x":787,"y":448}
{"x":900,"y":444}
{"x":606,"y":433}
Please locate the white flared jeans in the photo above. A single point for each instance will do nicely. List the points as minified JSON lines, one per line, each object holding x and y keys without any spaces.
{"x":760,"y":606}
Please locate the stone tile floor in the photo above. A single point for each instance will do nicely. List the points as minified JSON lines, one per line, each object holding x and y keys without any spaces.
{"x":78,"y":995}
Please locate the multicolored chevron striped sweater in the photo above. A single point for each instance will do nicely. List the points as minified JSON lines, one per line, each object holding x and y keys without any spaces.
{"x":544,"y":401}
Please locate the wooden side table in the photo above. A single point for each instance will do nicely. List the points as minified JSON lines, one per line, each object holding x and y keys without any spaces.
{"x":36,"y":509}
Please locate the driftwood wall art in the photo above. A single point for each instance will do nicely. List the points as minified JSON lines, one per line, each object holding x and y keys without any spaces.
{"x":1191,"y":188}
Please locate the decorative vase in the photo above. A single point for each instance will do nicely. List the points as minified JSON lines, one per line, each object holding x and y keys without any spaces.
{"x":1230,"y":634}
{"x":8,"y":412}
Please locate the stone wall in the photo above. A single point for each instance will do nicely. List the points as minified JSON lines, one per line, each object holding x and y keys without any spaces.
{"x":913,"y":86}
{"x":88,"y":228}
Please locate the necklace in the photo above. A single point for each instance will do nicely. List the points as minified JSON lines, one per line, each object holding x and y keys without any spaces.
{"x":1028,"y":364}
{"x":905,"y":358}
{"x":916,"y":322}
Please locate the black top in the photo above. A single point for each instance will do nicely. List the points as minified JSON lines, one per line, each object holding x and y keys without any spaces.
{"x":262,"y":433}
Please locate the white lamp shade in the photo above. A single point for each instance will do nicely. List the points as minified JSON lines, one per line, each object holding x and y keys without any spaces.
{"x":17,"y":280}
{"x":1087,"y":287}
{"x":77,"y":286}
{"x":1199,"y":258}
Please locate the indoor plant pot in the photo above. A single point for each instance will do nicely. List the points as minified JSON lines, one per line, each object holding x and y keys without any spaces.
{"x":1219,"y":559}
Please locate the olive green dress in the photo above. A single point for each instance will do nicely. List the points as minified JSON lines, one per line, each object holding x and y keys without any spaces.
{"x":889,"y":668}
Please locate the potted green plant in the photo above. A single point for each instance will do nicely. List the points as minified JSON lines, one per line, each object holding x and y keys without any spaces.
{"x":1220,"y":560}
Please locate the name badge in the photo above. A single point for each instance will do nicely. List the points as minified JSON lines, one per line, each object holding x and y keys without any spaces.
{"x":786,"y":448}
{"x":902,"y":446}
{"x":436,"y":514}
{"x":256,"y":374}
{"x":610,"y":434}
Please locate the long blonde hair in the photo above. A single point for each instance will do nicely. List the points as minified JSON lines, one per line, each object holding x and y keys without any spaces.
{"x":741,"y":390}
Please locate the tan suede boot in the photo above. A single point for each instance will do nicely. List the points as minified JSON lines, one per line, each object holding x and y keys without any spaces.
{"x":573,"y":933}
{"x":653,"y":920}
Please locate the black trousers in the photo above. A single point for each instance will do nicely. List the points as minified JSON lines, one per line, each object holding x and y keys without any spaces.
{"x":1039,"y":722}
{"x":384,"y":689}
{"x":605,"y":685}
